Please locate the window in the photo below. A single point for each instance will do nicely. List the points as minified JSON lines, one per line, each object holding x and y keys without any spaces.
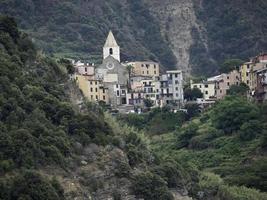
{"x":200,"y":86}
{"x":96,"y":82}
{"x":143,"y":72}
{"x":206,"y":86}
{"x":110,"y":51}
{"x":96,"y":90}
{"x":91,"y":83}
{"x":176,"y":75}
{"x":155,"y":72}
{"x":118,"y":93}
{"x":96,"y":97}
{"x":104,"y":91}
{"x":228,"y":83}
{"x":247,"y":74}
{"x":91,"y":89}
{"x":92,"y":97}
{"x":227,"y":77}
{"x":147,"y":72}
{"x":154,"y":66}
{"x":104,"y":98}
{"x":117,"y":86}
{"x":176,"y":88}
{"x":220,"y":91}
{"x":177,"y":95}
{"x":247,"y":81}
{"x":85,"y":69}
{"x":176,"y":82}
{"x":206,"y":92}
{"x":123,"y":91}
{"x":142,"y":65}
{"x":248,"y":66}
{"x":147,"y":65}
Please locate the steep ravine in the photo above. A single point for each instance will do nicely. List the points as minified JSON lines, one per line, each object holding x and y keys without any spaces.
{"x":177,"y":20}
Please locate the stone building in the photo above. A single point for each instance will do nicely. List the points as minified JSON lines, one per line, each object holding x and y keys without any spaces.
{"x":225,"y":81}
{"x":261,"y":88}
{"x":144,"y":68}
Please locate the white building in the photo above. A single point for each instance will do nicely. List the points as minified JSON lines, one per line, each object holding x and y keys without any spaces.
{"x":172,"y":88}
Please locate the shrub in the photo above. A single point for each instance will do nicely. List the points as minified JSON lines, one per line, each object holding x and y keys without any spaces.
{"x":185,"y":134}
{"x":250,"y":130}
{"x":150,"y":187}
{"x":230,"y":113}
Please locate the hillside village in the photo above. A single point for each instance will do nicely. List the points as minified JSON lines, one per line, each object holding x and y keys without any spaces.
{"x":138,"y":85}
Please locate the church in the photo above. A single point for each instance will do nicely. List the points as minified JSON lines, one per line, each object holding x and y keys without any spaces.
{"x":112,"y":73}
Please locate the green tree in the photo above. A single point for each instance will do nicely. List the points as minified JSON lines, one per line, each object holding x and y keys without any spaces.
{"x":249,"y":130}
{"x":192,"y":94}
{"x":241,"y":89}
{"x":151,"y":186}
{"x":148,"y":103}
{"x":232,"y":112}
{"x":230,"y":65}
{"x":192,"y":110}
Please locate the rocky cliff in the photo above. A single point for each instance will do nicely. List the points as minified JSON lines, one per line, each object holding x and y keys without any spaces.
{"x":177,"y":19}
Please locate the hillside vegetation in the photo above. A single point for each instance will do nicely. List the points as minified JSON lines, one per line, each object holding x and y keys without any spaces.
{"x":78,"y":29}
{"x":234,"y":29}
{"x":52,"y":148}
{"x":227,"y":144}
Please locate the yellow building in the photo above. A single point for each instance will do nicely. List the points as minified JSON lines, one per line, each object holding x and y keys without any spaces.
{"x":146,"y":68}
{"x":246,"y":75}
{"x":92,"y":89}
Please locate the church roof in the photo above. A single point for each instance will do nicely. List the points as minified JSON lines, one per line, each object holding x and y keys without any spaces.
{"x":111,"y":42}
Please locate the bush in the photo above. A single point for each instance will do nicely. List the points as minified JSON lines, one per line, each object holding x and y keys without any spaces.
{"x":30,"y":185}
{"x":172,"y":173}
{"x":185,"y":134}
{"x":240,"y":193}
{"x":150,"y":187}
{"x":230,"y":113}
{"x":250,"y":130}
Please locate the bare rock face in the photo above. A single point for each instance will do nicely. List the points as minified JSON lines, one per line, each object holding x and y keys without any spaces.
{"x":177,"y":20}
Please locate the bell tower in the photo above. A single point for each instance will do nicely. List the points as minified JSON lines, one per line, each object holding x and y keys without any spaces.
{"x":111,"y":48}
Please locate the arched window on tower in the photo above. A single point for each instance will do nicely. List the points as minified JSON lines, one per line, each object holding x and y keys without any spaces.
{"x":110,"y":51}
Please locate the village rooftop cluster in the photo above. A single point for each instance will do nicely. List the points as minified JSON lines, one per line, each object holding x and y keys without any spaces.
{"x":134,"y":86}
